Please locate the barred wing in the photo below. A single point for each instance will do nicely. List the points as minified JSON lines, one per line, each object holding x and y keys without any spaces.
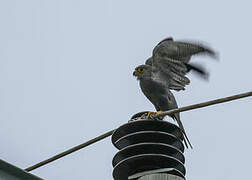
{"x":184,"y":50}
{"x":170,"y":59}
{"x":169,"y":72}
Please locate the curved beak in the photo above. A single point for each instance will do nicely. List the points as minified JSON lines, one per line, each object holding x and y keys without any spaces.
{"x":134,"y":73}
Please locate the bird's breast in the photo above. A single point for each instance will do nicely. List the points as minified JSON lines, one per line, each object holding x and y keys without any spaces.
{"x":152,"y":87}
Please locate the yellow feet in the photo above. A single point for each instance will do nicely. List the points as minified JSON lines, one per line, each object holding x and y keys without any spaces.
{"x":158,"y":112}
{"x":146,"y":115}
{"x":149,"y":114}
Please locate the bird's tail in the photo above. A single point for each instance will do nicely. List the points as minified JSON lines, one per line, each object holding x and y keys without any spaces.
{"x":186,"y":139}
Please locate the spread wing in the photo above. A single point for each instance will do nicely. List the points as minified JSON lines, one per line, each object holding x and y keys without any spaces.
{"x":170,"y":72}
{"x":170,"y":59}
{"x":184,"y":50}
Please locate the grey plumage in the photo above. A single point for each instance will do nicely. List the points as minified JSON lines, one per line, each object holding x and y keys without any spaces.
{"x":183,"y":51}
{"x":198,"y":69}
{"x":166,"y":71}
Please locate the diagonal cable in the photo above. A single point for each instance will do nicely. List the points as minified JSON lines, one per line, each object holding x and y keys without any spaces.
{"x":204,"y":104}
{"x":69,"y":151}
{"x":182,"y":109}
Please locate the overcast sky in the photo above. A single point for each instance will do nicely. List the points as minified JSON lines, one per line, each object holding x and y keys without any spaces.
{"x":66,"y":77}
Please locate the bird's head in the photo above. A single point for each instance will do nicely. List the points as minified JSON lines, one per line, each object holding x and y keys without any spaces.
{"x":142,"y":71}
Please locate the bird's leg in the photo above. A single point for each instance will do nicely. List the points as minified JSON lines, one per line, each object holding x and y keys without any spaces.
{"x":159,"y":112}
{"x":143,"y":115}
{"x":161,"y":117}
{"x":147,"y":115}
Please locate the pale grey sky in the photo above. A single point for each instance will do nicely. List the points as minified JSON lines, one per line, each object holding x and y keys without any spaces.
{"x":66,"y":76}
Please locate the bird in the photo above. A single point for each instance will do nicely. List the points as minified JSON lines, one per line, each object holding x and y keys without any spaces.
{"x":166,"y":70}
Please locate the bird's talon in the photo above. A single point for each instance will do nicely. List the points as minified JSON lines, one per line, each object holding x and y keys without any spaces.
{"x":159,"y":112}
{"x":149,"y":114}
{"x":143,"y":116}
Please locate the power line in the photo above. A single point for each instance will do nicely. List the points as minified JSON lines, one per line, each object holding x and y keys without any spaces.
{"x":204,"y":104}
{"x":182,"y":109}
{"x":69,"y":151}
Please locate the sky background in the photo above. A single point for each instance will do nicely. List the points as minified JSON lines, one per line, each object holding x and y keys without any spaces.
{"x":66,"y":77}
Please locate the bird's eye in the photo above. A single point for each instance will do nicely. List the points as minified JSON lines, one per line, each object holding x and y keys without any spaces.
{"x":141,"y":69}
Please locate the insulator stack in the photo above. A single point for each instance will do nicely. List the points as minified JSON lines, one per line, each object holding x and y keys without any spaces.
{"x":147,"y":147}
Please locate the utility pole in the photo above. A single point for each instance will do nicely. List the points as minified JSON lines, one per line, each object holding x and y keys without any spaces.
{"x":148,"y":150}
{"x":160,"y":177}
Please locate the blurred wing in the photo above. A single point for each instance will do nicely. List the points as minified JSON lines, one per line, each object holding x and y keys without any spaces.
{"x":187,"y":49}
{"x":170,"y":72}
{"x":170,"y":62}
{"x":198,"y":69}
{"x":184,"y":50}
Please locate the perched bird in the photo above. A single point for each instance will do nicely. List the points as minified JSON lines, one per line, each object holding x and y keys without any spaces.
{"x":166,"y":71}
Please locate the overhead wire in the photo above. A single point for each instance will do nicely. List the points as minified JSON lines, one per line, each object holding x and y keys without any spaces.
{"x":69,"y":151}
{"x":96,"y":139}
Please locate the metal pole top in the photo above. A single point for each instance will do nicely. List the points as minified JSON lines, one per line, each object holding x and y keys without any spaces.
{"x":160,"y":176}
